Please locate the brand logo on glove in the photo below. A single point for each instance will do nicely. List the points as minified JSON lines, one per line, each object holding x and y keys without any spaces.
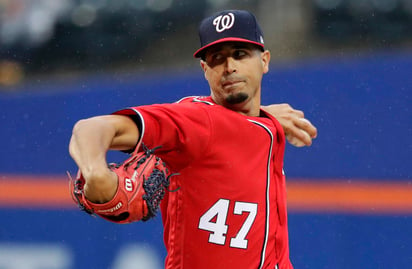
{"x":110,"y":210}
{"x":128,"y":184}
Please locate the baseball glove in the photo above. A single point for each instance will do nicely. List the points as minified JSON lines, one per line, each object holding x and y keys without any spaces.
{"x":142,"y":182}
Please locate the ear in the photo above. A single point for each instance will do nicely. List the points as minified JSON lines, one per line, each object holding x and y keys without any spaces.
{"x":265,"y":61}
{"x":203,"y":65}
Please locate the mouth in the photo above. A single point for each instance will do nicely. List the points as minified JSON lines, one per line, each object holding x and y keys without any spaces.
{"x":229,"y":84}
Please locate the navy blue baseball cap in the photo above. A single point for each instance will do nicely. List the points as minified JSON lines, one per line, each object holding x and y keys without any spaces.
{"x":229,"y":25}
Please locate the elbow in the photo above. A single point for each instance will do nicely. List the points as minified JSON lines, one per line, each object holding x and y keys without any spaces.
{"x":74,"y":144}
{"x":79,"y":126}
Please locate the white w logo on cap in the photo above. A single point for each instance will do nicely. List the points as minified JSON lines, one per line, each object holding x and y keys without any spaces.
{"x":224,"y":22}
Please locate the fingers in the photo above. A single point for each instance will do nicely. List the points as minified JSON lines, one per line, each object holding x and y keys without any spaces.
{"x":294,"y":124}
{"x":307,"y":126}
{"x":304,"y":140}
{"x":297,"y":113}
{"x":299,"y":120}
{"x":298,"y":136}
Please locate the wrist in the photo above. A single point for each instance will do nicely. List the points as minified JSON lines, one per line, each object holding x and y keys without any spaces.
{"x":100,"y":186}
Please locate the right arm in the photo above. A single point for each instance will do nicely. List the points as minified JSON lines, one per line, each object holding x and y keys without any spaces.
{"x":90,"y":141}
{"x":291,"y":121}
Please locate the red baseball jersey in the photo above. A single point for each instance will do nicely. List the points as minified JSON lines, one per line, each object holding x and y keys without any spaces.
{"x":228,"y":207}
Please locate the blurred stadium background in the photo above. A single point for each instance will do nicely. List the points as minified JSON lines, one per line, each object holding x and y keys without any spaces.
{"x":346,"y":63}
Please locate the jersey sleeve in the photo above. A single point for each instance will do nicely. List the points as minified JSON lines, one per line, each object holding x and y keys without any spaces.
{"x":182,"y":130}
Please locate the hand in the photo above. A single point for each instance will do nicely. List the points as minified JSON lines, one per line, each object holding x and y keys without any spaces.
{"x":143,"y":180}
{"x":292,"y":123}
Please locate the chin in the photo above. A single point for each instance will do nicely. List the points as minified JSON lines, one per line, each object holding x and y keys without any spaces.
{"x":237,"y":98}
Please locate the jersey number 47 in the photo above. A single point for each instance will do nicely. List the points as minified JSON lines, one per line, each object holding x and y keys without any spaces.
{"x":214,"y":221}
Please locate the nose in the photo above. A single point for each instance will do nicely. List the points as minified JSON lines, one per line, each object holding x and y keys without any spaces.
{"x":230,"y":66}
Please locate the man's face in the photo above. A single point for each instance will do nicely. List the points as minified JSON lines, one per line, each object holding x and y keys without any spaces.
{"x":234,"y":71}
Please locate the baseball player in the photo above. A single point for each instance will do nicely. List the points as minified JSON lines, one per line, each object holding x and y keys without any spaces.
{"x":221,"y":191}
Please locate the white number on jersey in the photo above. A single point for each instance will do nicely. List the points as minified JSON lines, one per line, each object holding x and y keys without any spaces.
{"x":214,"y":221}
{"x":218,"y":228}
{"x":239,"y":241}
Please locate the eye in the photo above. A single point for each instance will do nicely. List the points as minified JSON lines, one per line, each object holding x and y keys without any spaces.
{"x":214,"y":58}
{"x":217,"y":56}
{"x":238,"y":54}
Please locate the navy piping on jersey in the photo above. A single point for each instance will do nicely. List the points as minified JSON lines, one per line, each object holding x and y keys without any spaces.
{"x":262,"y":259}
{"x":183,"y":98}
{"x":142,"y":125}
{"x":202,"y":101}
{"x":263,"y":254}
{"x":195,"y":99}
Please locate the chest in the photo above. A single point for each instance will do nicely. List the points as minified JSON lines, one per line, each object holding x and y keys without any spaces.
{"x":242,"y":156}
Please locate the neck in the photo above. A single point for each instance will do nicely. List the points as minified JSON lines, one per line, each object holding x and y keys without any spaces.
{"x":250,"y":107}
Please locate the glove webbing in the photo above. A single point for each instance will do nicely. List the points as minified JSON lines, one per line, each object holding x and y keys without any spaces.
{"x":155,"y":185}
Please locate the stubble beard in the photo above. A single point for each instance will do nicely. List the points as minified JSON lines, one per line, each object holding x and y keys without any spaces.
{"x":237,"y":98}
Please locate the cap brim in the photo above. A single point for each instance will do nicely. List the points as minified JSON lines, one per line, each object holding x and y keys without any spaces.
{"x":200,"y":51}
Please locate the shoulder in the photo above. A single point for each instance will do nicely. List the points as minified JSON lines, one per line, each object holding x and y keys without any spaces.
{"x":184,"y":105}
{"x":269,"y":119}
{"x":187,"y":109}
{"x":196,"y":100}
